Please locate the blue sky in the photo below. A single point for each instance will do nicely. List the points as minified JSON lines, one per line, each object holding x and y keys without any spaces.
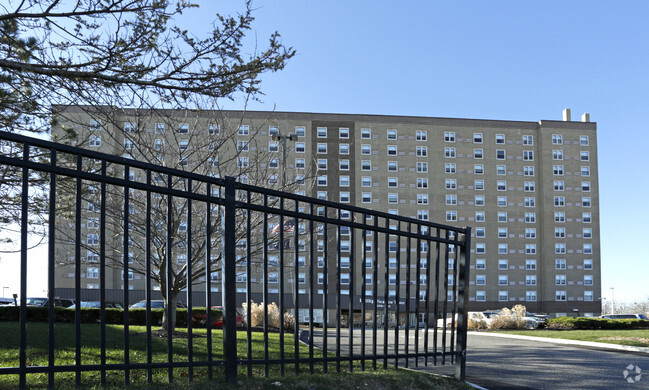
{"x":513,"y":60}
{"x":510,"y":60}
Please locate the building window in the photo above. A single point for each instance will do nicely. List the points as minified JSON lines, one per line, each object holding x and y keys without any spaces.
{"x":559,"y":232}
{"x":422,"y":151}
{"x":451,"y":216}
{"x":503,"y":296}
{"x":480,"y":248}
{"x":528,"y":170}
{"x":530,"y":233}
{"x":343,"y":149}
{"x":530,"y":264}
{"x":479,"y":185}
{"x":557,"y":170}
{"x":559,"y":201}
{"x":322,"y":180}
{"x":449,"y":167}
{"x":344,"y":197}
{"x":560,"y":280}
{"x":478,"y":153}
{"x":530,"y":217}
{"x":503,"y":248}
{"x":501,"y":170}
{"x":393,"y":182}
{"x":479,"y":216}
{"x":392,"y":134}
{"x":500,"y":154}
{"x":422,"y":215}
{"x":422,"y":182}
{"x":502,"y":216}
{"x":449,"y":152}
{"x":588,"y":249}
{"x":586,"y":218}
{"x":585,"y":171}
{"x":299,"y":147}
{"x":529,"y":186}
{"x":557,"y":154}
{"x":421,"y":135}
{"x":557,"y":139}
{"x":585,"y":201}
{"x":477,"y":138}
{"x":479,"y":200}
{"x":588,"y":295}
{"x":528,"y":140}
{"x":530,"y":201}
{"x":588,"y":233}
{"x":530,"y":280}
{"x":560,"y":295}
{"x":528,"y":155}
{"x":343,"y":132}
{"x":366,"y":197}
{"x":422,"y":198}
{"x":344,"y":181}
{"x":560,"y":264}
{"x":588,"y":264}
{"x":92,"y":273}
{"x":585,"y":186}
{"x":422,"y":167}
{"x":449,"y":136}
{"x":480,"y":264}
{"x":392,"y":150}
{"x":530,"y":296}
{"x":321,"y":132}
{"x":300,"y":131}
{"x":583,"y":140}
{"x":502,"y":201}
{"x":584,"y":156}
{"x":322,"y":148}
{"x":559,"y":216}
{"x":393,"y":198}
{"x":530,"y":249}
{"x":366,"y":181}
{"x":95,"y":141}
{"x":366,"y":149}
{"x":559,"y":185}
{"x":366,"y":133}
{"x":502,"y":232}
{"x":451,"y":199}
{"x":366,"y":165}
{"x":503,"y":264}
{"x":451,"y":184}
{"x":299,"y":163}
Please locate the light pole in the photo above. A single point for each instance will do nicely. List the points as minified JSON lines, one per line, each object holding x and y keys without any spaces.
{"x":3,"y":291}
{"x":612,"y":300}
{"x":284,"y":138}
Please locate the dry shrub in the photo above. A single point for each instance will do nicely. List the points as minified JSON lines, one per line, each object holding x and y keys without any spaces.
{"x":289,"y":322}
{"x":509,"y":319}
{"x":257,"y":314}
{"x":476,"y":324}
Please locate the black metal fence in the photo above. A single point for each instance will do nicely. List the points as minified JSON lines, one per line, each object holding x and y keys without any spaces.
{"x":363,"y":288}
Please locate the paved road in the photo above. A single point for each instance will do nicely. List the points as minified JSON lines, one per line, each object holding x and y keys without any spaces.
{"x":505,"y":363}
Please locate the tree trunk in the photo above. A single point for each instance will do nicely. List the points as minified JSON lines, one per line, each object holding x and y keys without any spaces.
{"x":170,"y":311}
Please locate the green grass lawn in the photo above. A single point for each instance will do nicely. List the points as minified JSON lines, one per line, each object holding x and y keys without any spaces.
{"x":37,"y":336}
{"x":634,"y":337}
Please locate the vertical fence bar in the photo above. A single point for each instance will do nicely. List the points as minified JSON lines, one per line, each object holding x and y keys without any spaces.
{"x":463,"y":302}
{"x":281,"y":287}
{"x":208,"y":279}
{"x":436,"y":308}
{"x":445,"y":298}
{"x":375,"y":291}
{"x":397,"y":299}
{"x":249,"y":282}
{"x":229,"y":282}
{"x":427,"y":309}
{"x":51,"y":263}
{"x":77,"y":276}
{"x":24,"y":210}
{"x":190,"y":340}
{"x":408,"y":272}
{"x":265,"y":285}
{"x":364,"y":292}
{"x":102,"y":273}
{"x":311,"y":292}
{"x":125,"y":259}
{"x":351,"y":294}
{"x":338,"y":274}
{"x":296,"y":291}
{"x":147,"y":277}
{"x":169,"y":277}
{"x":417,"y":295}
{"x":454,"y":295}
{"x":386,"y":304}
{"x":325,"y":292}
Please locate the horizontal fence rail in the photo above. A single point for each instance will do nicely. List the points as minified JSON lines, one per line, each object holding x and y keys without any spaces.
{"x":342,"y":287}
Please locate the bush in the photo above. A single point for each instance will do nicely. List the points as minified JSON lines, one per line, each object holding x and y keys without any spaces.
{"x":509,"y":319}
{"x":586,"y":323}
{"x":476,"y":323}
{"x":257,"y":314}
{"x":289,"y":322}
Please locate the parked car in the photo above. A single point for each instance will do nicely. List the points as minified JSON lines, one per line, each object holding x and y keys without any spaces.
{"x":43,"y":302}
{"x":97,"y":305}
{"x":156,"y":304}
{"x":625,"y":317}
{"x":201,"y":319}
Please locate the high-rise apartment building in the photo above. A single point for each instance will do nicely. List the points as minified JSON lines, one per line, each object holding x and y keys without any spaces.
{"x":529,"y":190}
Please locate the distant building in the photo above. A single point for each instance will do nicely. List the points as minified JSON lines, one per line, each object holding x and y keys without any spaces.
{"x":529,"y":190}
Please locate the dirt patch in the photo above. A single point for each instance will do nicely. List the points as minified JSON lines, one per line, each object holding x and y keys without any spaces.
{"x":638,"y":339}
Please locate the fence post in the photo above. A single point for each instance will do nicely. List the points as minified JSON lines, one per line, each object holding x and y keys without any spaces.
{"x":229,"y":283}
{"x":463,"y":302}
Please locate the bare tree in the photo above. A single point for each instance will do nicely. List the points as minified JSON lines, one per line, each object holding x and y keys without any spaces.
{"x":108,"y":54}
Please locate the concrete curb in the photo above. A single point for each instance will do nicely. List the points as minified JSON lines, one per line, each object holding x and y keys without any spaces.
{"x":591,"y":344}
